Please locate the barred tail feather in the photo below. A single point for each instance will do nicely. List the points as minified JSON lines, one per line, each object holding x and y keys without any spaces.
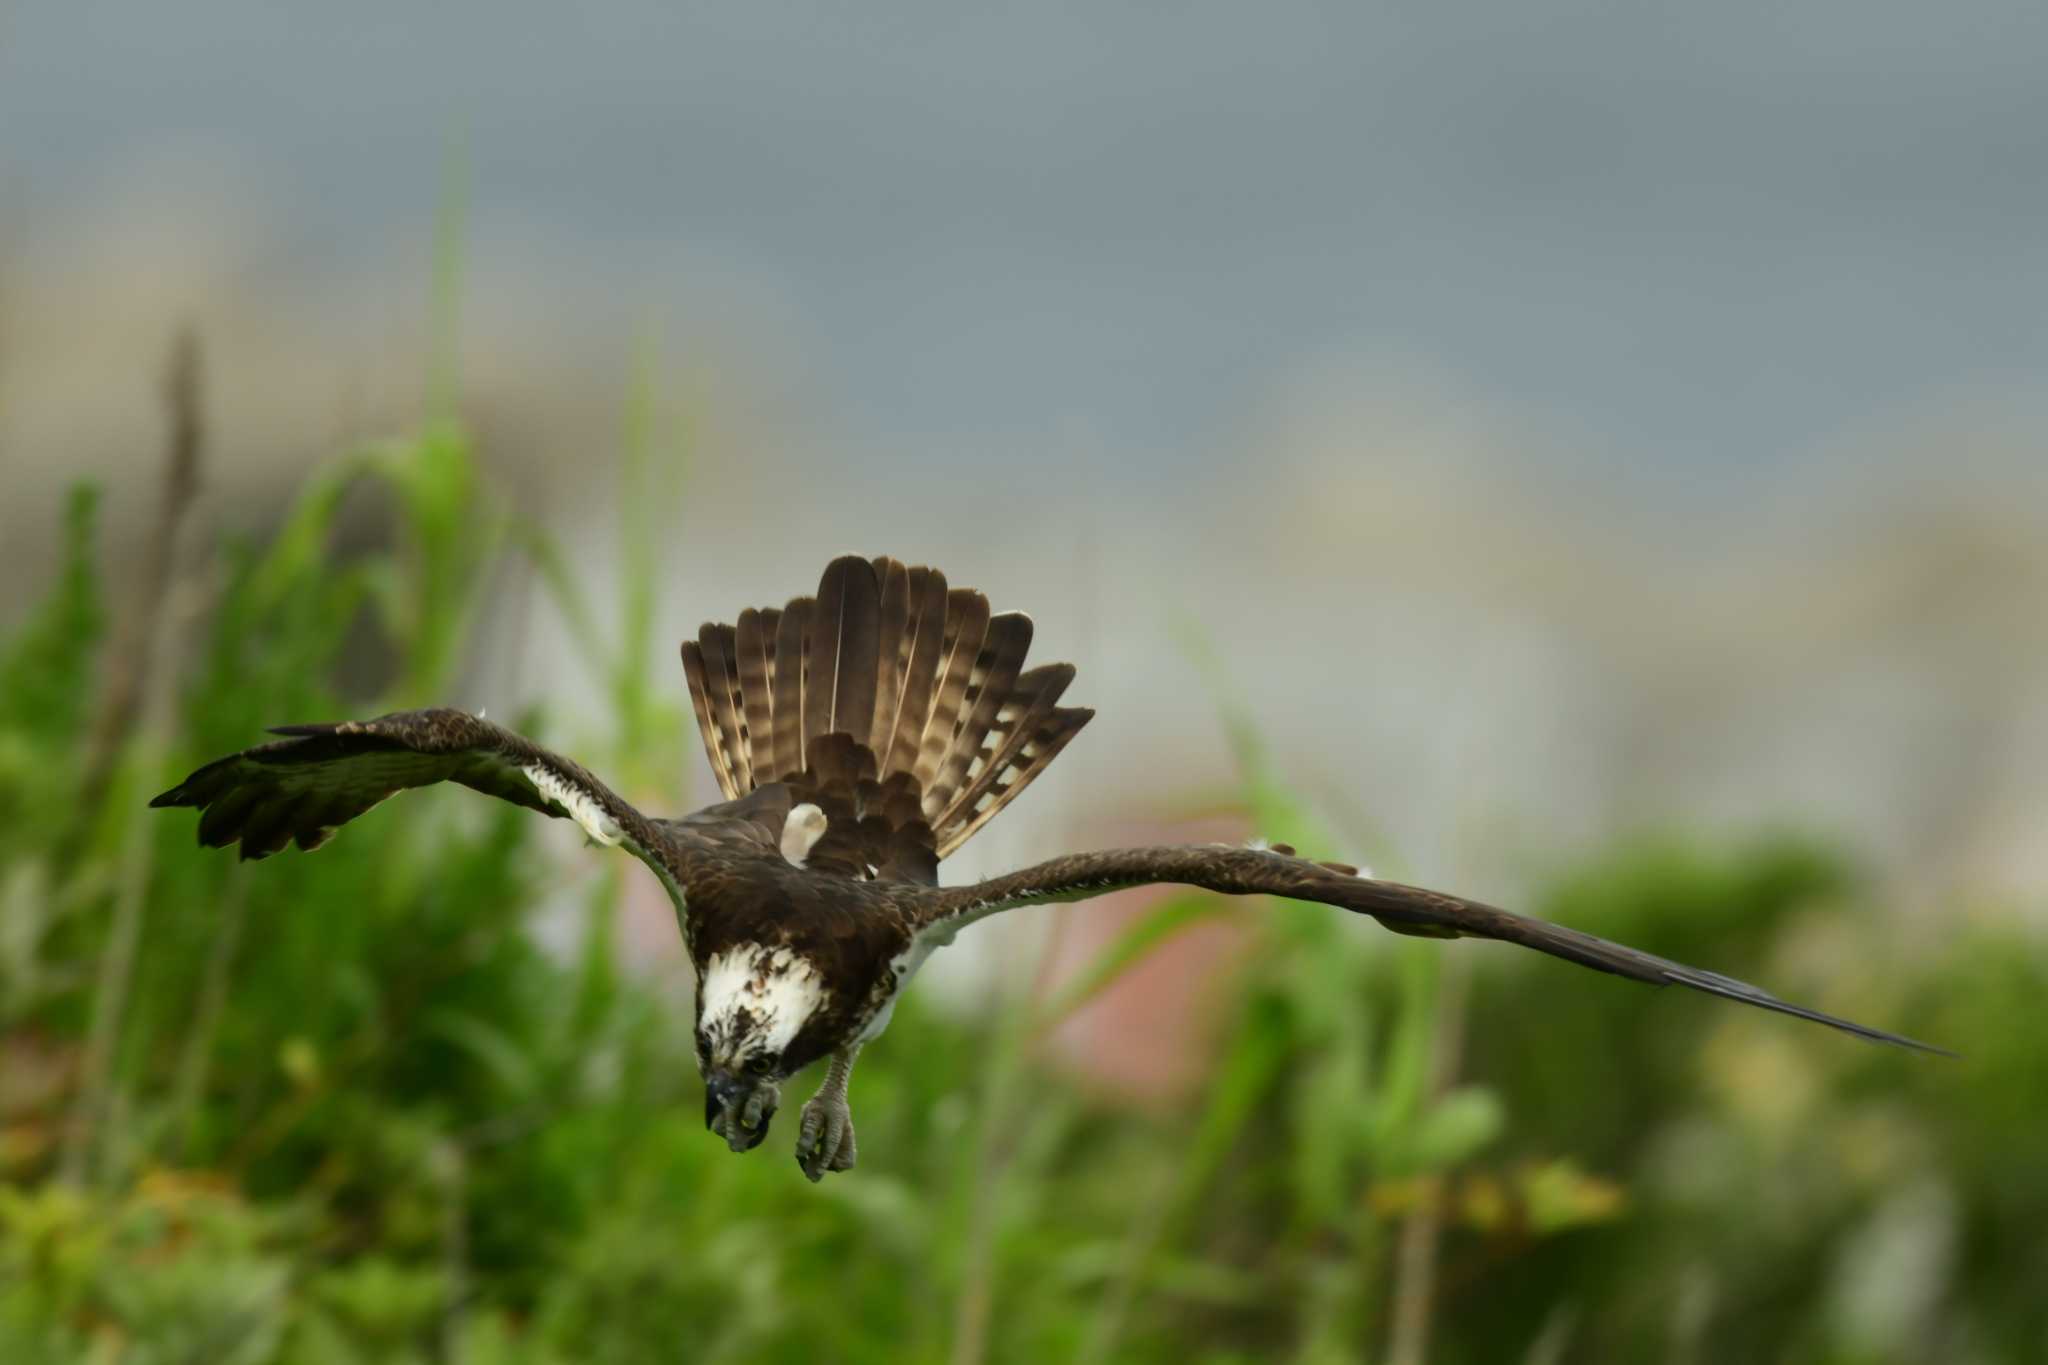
{"x":989,"y":690}
{"x":792,"y":647}
{"x":1029,"y":731}
{"x":966,"y":627}
{"x":893,"y":642}
{"x":709,"y":697}
{"x":889,"y":697}
{"x":920,"y":653}
{"x":755,"y":674}
{"x":721,"y":676}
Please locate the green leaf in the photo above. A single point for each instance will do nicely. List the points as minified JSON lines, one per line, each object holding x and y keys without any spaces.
{"x":1455,"y":1128}
{"x":46,"y":670}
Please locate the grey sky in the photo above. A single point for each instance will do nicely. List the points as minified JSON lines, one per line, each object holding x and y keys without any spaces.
{"x":1710,"y":233}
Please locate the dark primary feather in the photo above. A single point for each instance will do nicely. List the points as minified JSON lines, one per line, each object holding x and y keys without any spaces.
{"x":1406,"y":909}
{"x":300,"y":789}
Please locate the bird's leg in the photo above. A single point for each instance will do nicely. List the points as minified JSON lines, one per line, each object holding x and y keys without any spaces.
{"x":824,"y":1137}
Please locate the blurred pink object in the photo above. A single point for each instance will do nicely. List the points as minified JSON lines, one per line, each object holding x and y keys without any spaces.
{"x":1150,"y":1037}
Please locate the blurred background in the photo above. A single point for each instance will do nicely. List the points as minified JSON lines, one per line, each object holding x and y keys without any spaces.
{"x":1591,"y":458}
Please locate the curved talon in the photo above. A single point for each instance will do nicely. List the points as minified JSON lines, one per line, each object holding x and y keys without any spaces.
{"x":825,"y":1138}
{"x":842,"y":1160}
{"x":744,"y":1125}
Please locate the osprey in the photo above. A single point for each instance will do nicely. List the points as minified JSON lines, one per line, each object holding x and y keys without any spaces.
{"x":859,"y":736}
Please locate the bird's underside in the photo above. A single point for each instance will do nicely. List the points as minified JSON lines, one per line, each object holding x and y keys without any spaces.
{"x":859,"y":736}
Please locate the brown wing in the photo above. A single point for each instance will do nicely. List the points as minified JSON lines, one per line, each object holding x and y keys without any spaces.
{"x":302,"y":788}
{"x":1239,"y":871}
{"x":734,"y":831}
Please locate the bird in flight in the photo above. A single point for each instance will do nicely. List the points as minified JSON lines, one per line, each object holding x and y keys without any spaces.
{"x":859,"y":736}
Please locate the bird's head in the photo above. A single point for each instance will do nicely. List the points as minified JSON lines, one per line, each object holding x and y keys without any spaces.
{"x":752,"y":1002}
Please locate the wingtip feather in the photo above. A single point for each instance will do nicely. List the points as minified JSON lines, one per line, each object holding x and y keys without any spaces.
{"x":1728,"y":988}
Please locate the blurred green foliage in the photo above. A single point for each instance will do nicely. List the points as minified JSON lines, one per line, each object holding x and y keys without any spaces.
{"x":350,"y":1109}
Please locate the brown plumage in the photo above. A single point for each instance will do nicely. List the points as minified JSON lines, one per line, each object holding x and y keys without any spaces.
{"x":900,"y":729}
{"x":755,"y":642}
{"x":840,"y":691}
{"x":924,"y":684}
{"x":1027,"y":733}
{"x":301,"y":788}
{"x":967,"y":623}
{"x":859,"y":736}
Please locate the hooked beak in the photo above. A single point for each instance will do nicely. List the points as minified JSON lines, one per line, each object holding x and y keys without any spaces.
{"x":725,"y":1103}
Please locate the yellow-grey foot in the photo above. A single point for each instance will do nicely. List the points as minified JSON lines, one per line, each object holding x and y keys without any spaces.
{"x":824,"y":1138}
{"x":743,"y":1122}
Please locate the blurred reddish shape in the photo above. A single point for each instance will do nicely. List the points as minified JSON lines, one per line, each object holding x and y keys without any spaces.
{"x":1150,"y":1037}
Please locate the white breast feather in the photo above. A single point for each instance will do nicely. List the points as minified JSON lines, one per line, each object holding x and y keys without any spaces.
{"x":778,"y":989}
{"x":582,"y":808}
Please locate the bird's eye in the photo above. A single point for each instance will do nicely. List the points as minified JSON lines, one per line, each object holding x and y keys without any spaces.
{"x":759,"y":1066}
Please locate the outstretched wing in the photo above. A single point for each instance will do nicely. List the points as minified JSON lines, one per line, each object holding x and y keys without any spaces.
{"x":302,"y":788}
{"x":1238,"y":871}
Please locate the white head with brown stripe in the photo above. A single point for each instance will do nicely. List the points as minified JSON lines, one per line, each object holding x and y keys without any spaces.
{"x":753,"y":1000}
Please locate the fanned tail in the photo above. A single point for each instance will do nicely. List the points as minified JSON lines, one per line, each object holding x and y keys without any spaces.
{"x":933,"y":723}
{"x":1028,"y":733}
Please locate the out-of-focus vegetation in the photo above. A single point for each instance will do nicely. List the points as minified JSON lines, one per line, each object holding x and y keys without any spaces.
{"x":345,"y":1108}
